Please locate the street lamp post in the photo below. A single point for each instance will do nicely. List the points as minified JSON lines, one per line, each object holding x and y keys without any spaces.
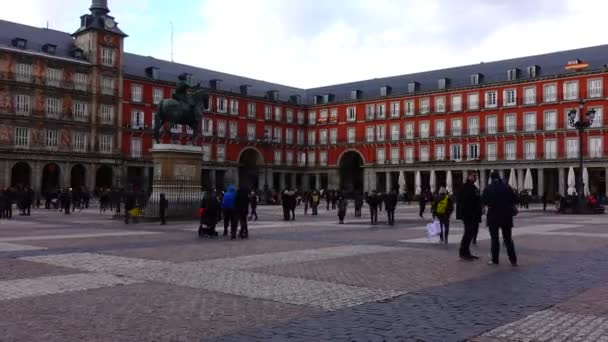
{"x":581,"y":123}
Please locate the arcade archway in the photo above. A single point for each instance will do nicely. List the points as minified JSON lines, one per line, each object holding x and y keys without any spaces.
{"x":250,"y":162}
{"x":103,"y":177}
{"x":351,"y":172}
{"x":50,"y":177}
{"x":21,"y":174}
{"x":78,"y":174}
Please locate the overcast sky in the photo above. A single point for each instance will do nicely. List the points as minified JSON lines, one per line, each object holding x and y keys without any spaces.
{"x":309,"y":43}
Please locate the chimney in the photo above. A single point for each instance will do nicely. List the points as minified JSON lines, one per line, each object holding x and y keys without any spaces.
{"x":99,"y":7}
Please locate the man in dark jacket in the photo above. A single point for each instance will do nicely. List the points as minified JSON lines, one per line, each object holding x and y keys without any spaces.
{"x":358,"y":203}
{"x":390,"y":203}
{"x":253,"y":202}
{"x":242,"y":209}
{"x":500,"y":200}
{"x":469,"y":211}
{"x":372,"y":201}
{"x":163,"y":205}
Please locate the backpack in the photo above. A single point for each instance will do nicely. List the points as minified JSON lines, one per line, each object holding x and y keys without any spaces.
{"x":442,"y":206}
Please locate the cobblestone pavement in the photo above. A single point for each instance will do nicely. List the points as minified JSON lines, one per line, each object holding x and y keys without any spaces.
{"x":87,"y":277}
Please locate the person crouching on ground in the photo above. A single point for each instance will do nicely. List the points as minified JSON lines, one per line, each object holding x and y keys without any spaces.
{"x":342,"y":205}
{"x":442,"y":209}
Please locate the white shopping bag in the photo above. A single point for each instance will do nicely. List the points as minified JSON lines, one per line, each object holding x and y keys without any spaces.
{"x":433,"y":228}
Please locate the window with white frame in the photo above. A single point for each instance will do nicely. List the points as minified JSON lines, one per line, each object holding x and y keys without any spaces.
{"x":370,"y":111}
{"x":301,"y":118}
{"x":107,"y":56}
{"x":425,"y":106}
{"x":54,"y":77}
{"x":268,"y":133}
{"x":22,"y":137}
{"x":52,"y":141}
{"x":107,"y":86}
{"x":81,"y":81}
{"x":323,"y":136}
{"x":381,"y":155}
{"x":176,"y":129}
{"x":323,"y":115}
{"x":439,"y":152}
{"x":598,"y":120}
{"x":220,"y":153}
{"x":530,"y":150}
{"x":351,"y":113}
{"x":596,"y":148}
{"x":23,"y":104}
{"x":571,"y":90}
{"x":381,"y":110}
{"x":206,"y":152}
{"x":394,"y":155}
{"x":23,"y":72}
{"x":395,"y":109}
{"x":473,"y":101}
{"x":491,"y":124}
{"x":278,"y":134}
{"x":409,"y":108}
{"x":311,"y":158}
{"x":510,"y":151}
{"x":595,"y":88}
{"x":312,"y":118}
{"x":491,"y":99}
{"x":473,"y":151}
{"x":53,"y":107}
{"x":268,"y":113}
{"x":439,"y":128}
{"x":456,"y":127}
{"x":530,"y":122}
{"x":234,"y":106}
{"x":278,"y":114}
{"x":440,"y":104}
{"x":456,"y":103}
{"x":289,"y":116}
{"x":302,"y":158}
{"x":491,"y":151}
{"x":311,"y":138}
{"x":323,"y":158}
{"x":251,"y":111}
{"x":135,"y":147}
{"x":456,"y":152}
{"x":424,"y":129}
{"x":409,"y":130}
{"x":549,"y":92}
{"x":277,"y":157}
{"x":510,"y":123}
{"x":351,"y":135}
{"x":234,"y":131}
{"x":572,"y":148}
{"x":300,"y":137}
{"x":289,"y":136}
{"x":424,"y":153}
{"x":550,"y":123}
{"x":510,"y":97}
{"x":380,"y":133}
{"x":157,"y":95}
{"x":137,"y":92}
{"x":289,"y":158}
{"x":222,"y":105}
{"x":137,"y":119}
{"x":105,"y":143}
{"x":81,"y":111}
{"x":370,"y":133}
{"x":251,"y":132}
{"x":107,"y":114}
{"x":333,"y":136}
{"x":409,"y":154}
{"x":530,"y":95}
{"x":221,"y":128}
{"x":473,"y":125}
{"x":207,"y":127}
{"x":333,"y":115}
{"x":550,"y":149}
{"x":395,"y":131}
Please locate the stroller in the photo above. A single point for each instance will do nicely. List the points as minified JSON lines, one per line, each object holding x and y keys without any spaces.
{"x":207,"y":224}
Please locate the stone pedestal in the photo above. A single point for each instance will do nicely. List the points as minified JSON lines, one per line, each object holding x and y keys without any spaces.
{"x":177,"y":175}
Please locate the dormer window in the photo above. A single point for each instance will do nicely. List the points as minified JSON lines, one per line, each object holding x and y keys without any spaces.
{"x":273,"y":95}
{"x":512,"y":74}
{"x":327,"y":98}
{"x":533,"y":70}
{"x":49,"y":48}
{"x":317,"y":99}
{"x":413,"y":87}
{"x":20,"y":43}
{"x":296,"y":99}
{"x":355,"y":94}
{"x":244,"y":88}
{"x":475,"y":79}
{"x":152,"y":72}
{"x":77,"y":53}
{"x":385,"y":91}
{"x":213,"y":84}
{"x":443,"y":83}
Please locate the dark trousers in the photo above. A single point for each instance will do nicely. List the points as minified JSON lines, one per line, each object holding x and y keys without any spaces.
{"x":315,"y":210}
{"x":391,"y":216}
{"x":508,"y":240}
{"x":327,"y":205}
{"x":244,"y":232}
{"x":374,"y":214}
{"x":253,"y":213}
{"x":422,"y":207}
{"x":305,"y":208}
{"x":293,"y":213}
{"x":163,"y":216}
{"x":470,"y":232}
{"x":230,"y":219}
{"x":445,"y":229}
{"x":67,"y":209}
{"x":333,"y":205}
{"x":357,"y":211}
{"x":285,"y":213}
{"x":341,"y":217}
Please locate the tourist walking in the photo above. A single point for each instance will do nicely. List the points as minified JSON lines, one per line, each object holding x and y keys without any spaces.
{"x":469,"y":210}
{"x":228,"y":212}
{"x":422,"y":204}
{"x":253,"y":202}
{"x":500,"y":200}
{"x":342,"y":205}
{"x":315,"y":200}
{"x":372,"y":201}
{"x":390,"y":204}
{"x":358,"y":203}
{"x":442,"y":209}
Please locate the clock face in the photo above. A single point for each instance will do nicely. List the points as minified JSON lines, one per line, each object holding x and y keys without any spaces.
{"x":109,"y":22}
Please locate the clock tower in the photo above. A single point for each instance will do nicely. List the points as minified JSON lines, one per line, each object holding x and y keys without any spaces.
{"x":101,"y":42}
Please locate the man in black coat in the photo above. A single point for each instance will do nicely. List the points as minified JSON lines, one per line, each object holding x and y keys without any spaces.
{"x":390,"y":202}
{"x":469,"y":211}
{"x":500,"y":200}
{"x":241,"y":204}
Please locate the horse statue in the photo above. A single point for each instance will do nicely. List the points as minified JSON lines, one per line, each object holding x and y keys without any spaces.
{"x":183,"y":108}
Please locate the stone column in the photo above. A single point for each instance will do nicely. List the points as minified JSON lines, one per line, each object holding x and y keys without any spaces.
{"x":388,"y":182}
{"x":89,"y":177}
{"x":66,"y":175}
{"x":501,"y":173}
{"x":261,"y":180}
{"x":370,"y":179}
{"x":561,"y":175}
{"x":318,"y":181}
{"x":305,"y":182}
{"x":282,"y":181}
{"x":332,"y":179}
{"x":540,"y":182}
{"x":483,"y":178}
{"x":521,"y":174}
{"x":465,"y":175}
{"x":212,"y":181}
{"x":36,"y":177}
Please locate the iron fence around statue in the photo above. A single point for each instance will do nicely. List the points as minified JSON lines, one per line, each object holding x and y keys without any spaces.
{"x":183,"y":194}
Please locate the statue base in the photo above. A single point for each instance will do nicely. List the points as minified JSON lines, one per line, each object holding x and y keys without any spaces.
{"x":177,"y":172}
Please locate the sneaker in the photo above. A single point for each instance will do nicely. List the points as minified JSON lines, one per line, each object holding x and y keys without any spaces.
{"x":492,"y":263}
{"x":466,"y":258}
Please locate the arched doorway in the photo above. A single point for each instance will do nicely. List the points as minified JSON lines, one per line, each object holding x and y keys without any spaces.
{"x":21,"y":175}
{"x":351,"y":172}
{"x":249,"y":168}
{"x":103,"y":177}
{"x":78,"y":180}
{"x":50,"y":177}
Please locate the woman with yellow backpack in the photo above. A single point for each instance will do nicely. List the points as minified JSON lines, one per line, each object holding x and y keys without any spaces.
{"x":442,"y":209}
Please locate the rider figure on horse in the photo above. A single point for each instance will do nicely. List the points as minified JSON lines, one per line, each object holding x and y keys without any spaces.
{"x":181,"y":92}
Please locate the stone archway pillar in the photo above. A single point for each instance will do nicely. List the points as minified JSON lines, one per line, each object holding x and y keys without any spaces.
{"x":5,"y":173}
{"x":306,"y":182}
{"x":89,"y":176}
{"x":36,"y":177}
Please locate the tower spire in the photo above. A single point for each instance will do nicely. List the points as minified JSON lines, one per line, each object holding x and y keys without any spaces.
{"x":99,"y":7}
